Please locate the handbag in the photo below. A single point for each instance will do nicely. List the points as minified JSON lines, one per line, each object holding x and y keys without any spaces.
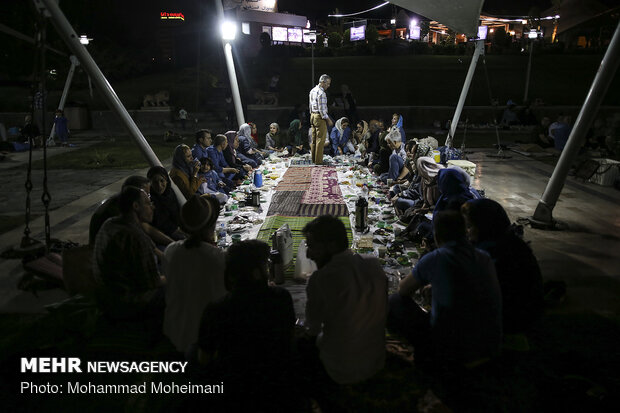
{"x":282,"y":240}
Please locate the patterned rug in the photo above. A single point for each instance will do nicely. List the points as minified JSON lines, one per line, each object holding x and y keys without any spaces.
{"x":296,"y":224}
{"x":315,"y":210}
{"x":324,"y":188}
{"x":295,"y":179}
{"x":286,"y":203}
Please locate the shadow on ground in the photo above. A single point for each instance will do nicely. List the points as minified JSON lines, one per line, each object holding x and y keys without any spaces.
{"x":572,"y":365}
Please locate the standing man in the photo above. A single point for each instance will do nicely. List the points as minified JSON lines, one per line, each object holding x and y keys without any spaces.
{"x":319,"y":118}
{"x":183,"y":117}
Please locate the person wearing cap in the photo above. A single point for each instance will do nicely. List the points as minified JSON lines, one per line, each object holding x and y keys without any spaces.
{"x":319,"y":118}
{"x":510,"y":116}
{"x":194,"y":269}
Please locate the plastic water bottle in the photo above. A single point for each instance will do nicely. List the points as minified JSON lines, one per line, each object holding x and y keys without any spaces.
{"x":365,"y":191}
{"x":221,"y":235}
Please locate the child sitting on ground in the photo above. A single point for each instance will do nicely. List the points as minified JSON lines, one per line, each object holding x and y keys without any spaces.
{"x":213,"y":185}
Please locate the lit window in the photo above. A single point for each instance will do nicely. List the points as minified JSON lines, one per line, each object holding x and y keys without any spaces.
{"x":245,"y":28}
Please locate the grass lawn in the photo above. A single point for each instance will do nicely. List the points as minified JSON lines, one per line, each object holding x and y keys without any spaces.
{"x":374,"y":81}
{"x":123,"y":153}
{"x":438,"y":80}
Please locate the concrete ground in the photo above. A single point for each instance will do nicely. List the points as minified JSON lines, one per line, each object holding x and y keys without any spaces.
{"x":585,"y":255}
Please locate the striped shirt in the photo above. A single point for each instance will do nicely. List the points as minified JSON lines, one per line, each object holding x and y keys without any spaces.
{"x":318,"y":101}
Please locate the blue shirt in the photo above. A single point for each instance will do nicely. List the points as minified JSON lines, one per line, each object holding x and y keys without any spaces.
{"x":466,"y":315}
{"x":198,"y":152}
{"x":213,"y":180}
{"x":339,"y":140}
{"x":218,"y":160}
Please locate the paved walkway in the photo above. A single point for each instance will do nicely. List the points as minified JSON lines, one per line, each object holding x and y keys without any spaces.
{"x":585,"y":255}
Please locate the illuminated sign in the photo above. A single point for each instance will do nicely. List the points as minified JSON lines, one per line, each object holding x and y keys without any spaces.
{"x":295,"y":35}
{"x":279,"y":34}
{"x":415,"y":33}
{"x":358,"y":33}
{"x":171,"y":16}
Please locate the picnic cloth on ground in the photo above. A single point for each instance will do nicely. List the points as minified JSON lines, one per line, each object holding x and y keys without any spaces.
{"x":315,"y":210}
{"x":296,"y":225}
{"x":324,"y":188}
{"x":295,"y":179}
{"x":285,"y":203}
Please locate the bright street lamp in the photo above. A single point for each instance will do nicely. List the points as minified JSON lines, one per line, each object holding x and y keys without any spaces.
{"x":229,"y":30}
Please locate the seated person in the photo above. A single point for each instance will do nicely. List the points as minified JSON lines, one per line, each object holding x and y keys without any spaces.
{"x":29,"y":131}
{"x":226,"y":173}
{"x":167,"y":209}
{"x":465,"y":322}
{"x":561,"y":132}
{"x":110,"y":208}
{"x":347,"y":304}
{"x":372,"y":145}
{"x":298,"y":144}
{"x":29,"y":134}
{"x":184,"y":171}
{"x":246,"y":337}
{"x":232,"y":158}
{"x":381,"y":163}
{"x":455,"y":189}
{"x":510,"y":116}
{"x":203,"y":141}
{"x":273,"y":139}
{"x":397,"y":157}
{"x":422,"y":194}
{"x":361,"y":134}
{"x":540,"y":134}
{"x":124,"y":267}
{"x":520,"y":281}
{"x":340,"y":137}
{"x":248,"y":148}
{"x":397,"y":124}
{"x":213,"y":185}
{"x":191,"y":284}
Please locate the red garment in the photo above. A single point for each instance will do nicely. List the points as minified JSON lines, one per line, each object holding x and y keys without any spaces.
{"x":254,"y":135}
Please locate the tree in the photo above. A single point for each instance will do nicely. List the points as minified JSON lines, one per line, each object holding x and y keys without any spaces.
{"x":372,"y":34}
{"x":334,"y":40}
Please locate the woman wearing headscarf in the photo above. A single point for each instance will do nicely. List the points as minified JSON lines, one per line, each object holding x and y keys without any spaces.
{"x":454,"y":188}
{"x":192,"y":285}
{"x":397,"y":124}
{"x":273,"y":138}
{"x":184,"y":171}
{"x":340,"y":138}
{"x":422,"y":193}
{"x":518,"y":273}
{"x":361,"y":136}
{"x":295,"y":138}
{"x":167,"y":210}
{"x":254,"y":132}
{"x":232,"y":156}
{"x":248,"y":148}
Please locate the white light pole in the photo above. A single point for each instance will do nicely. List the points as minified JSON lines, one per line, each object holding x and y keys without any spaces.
{"x":312,"y":38}
{"x":229,"y":32}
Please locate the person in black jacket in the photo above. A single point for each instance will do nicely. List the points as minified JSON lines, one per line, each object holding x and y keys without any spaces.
{"x":167,"y":209}
{"x":519,"y":276}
